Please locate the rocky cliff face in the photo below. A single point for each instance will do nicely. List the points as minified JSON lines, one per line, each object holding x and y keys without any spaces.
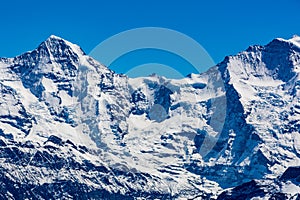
{"x":72,"y":128}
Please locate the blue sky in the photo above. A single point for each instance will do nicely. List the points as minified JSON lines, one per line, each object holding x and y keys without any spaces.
{"x":221,"y":27}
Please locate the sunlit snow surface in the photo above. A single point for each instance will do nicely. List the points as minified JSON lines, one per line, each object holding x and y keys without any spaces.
{"x":72,"y":127}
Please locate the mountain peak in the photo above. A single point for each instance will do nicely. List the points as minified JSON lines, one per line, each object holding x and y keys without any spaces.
{"x":294,"y":41}
{"x":297,"y":37}
{"x":55,"y":37}
{"x":57,"y":44}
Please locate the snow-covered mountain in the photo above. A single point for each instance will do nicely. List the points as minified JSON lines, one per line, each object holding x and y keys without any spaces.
{"x":73,"y":129}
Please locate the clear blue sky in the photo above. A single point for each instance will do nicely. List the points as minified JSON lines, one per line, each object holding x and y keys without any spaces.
{"x":221,"y":27}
